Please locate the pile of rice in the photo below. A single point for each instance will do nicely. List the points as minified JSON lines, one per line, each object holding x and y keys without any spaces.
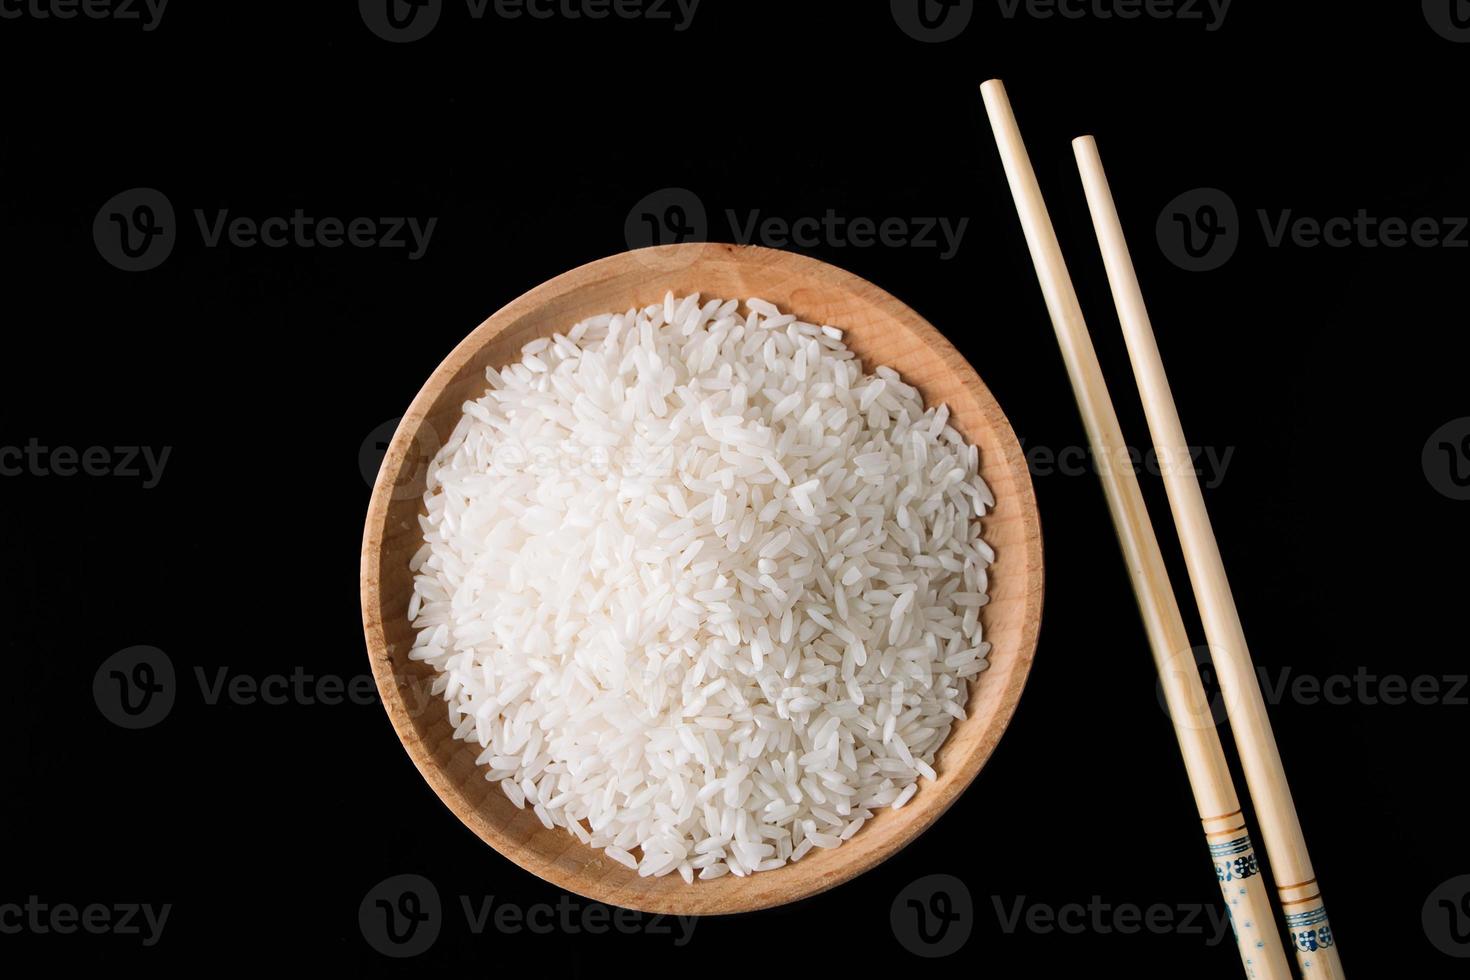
{"x":705,"y":593}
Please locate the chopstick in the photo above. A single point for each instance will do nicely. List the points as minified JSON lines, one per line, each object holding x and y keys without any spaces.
{"x":1281,"y":831}
{"x":1220,"y":813}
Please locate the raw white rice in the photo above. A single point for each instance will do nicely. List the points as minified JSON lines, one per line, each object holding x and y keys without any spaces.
{"x":704,"y":593}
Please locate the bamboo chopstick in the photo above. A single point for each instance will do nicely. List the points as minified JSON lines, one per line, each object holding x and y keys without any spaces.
{"x":1281,"y":831}
{"x":1229,"y":842}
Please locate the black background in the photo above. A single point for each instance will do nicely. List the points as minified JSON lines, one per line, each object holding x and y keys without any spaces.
{"x":1324,"y":371}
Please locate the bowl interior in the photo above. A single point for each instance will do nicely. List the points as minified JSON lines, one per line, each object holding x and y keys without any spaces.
{"x":882,"y":331}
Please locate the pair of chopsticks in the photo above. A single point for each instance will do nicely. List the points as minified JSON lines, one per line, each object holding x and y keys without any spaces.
{"x":1245,"y":891}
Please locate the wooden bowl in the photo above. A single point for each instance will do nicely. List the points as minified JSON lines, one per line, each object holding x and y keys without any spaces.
{"x":882,"y":331}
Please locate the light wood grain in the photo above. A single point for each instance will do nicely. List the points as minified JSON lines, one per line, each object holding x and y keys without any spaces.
{"x":882,"y":331}
{"x":1281,"y":831}
{"x":1229,"y":841}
